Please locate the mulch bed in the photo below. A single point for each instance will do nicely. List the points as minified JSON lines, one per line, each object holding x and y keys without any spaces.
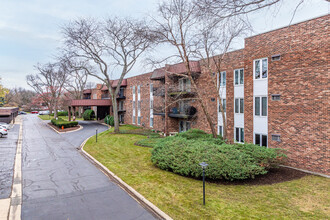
{"x":65,"y":129}
{"x":278,"y":175}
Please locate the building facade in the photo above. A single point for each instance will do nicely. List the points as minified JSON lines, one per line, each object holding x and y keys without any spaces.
{"x":275,"y":93}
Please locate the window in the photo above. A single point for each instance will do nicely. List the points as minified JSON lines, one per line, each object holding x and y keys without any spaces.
{"x":139,"y":105}
{"x":133,"y":119}
{"x":121,"y":92}
{"x":222,"y":79}
{"x":223,"y":105}
{"x":184,"y":85}
{"x":139,"y":120}
{"x":151,"y":89}
{"x":260,"y":108}
{"x":184,"y":126}
{"x":220,"y":130}
{"x":239,"y":105}
{"x":133,"y":90}
{"x":239,"y":77}
{"x":261,"y":68}
{"x":260,"y":139}
{"x":151,"y":104}
{"x":121,"y":105}
{"x":239,"y":135}
{"x":151,"y":122}
{"x":139,"y":89}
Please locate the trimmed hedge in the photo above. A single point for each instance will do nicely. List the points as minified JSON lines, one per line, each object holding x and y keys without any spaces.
{"x":66,"y":124}
{"x":89,"y":114}
{"x":182,"y":154}
{"x":109,"y":120}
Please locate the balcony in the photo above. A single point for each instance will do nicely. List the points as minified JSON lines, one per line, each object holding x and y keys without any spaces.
{"x":177,"y":91}
{"x":159,"y":91}
{"x":121,"y":110}
{"x":186,"y":113}
{"x":121,"y":96}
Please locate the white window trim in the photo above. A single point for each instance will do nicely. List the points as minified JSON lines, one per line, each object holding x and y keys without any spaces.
{"x":254,"y":104}
{"x":239,"y":106}
{"x":239,"y":77}
{"x":240,"y":140}
{"x":254,"y":138}
{"x":254,"y":74}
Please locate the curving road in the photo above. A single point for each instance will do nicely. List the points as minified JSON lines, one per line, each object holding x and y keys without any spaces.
{"x":59,"y":183}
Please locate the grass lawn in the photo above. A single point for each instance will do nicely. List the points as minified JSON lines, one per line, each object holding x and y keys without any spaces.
{"x":181,"y":197}
{"x":47,"y":117}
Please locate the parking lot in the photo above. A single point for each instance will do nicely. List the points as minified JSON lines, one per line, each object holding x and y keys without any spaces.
{"x":7,"y":157}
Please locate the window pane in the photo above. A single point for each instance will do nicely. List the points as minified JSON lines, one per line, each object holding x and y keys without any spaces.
{"x":264,"y":106}
{"x":257,"y":106}
{"x":224,"y":105}
{"x":257,"y":69}
{"x":264,"y":68}
{"x":181,"y":129}
{"x":242,"y":134}
{"x":220,"y":130}
{"x":264,"y":140}
{"x":236,"y":77}
{"x":241,"y":78}
{"x":257,"y":139}
{"x":241,"y":105}
{"x":236,"y":106}
{"x":224,"y":78}
{"x":187,"y":125}
{"x":237,"y":134}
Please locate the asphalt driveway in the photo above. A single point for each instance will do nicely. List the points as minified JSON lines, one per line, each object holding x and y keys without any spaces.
{"x":59,"y":183}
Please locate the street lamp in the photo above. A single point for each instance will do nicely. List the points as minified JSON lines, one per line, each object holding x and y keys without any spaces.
{"x":204,"y":165}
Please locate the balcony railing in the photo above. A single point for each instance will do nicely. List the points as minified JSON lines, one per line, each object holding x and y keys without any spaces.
{"x":185,"y":113}
{"x":105,"y":96}
{"x":159,"y":91}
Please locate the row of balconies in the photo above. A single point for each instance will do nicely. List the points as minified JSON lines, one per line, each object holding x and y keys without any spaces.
{"x":173,"y":91}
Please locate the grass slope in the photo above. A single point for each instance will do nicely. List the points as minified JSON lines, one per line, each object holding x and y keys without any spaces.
{"x":181,"y":197}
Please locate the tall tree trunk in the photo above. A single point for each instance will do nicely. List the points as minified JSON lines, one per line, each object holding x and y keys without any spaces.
{"x":115,"y":112}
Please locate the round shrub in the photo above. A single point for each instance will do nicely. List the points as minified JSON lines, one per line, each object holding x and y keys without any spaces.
{"x":230,"y":162}
{"x":109,"y":120}
{"x":89,"y":114}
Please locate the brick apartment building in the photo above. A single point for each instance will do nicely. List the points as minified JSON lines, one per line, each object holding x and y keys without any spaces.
{"x":275,"y":92}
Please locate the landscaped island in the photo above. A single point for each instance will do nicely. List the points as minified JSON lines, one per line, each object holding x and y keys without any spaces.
{"x":282,"y":193}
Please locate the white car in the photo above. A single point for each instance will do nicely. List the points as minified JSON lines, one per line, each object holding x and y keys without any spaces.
{"x":4,"y":125}
{"x":3,"y":132}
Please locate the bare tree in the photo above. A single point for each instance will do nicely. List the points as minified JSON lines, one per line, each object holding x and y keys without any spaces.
{"x":177,"y":26}
{"x":48,"y":83}
{"x":77,"y":78}
{"x":113,"y":45}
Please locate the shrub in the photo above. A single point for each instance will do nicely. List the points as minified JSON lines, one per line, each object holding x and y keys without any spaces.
{"x":89,"y":114}
{"x":182,"y":154}
{"x":109,"y":120}
{"x":66,"y":124}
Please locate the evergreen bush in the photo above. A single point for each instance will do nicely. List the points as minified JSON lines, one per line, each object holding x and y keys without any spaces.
{"x":89,"y":114}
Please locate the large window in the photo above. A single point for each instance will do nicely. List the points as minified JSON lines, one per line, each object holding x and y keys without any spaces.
{"x":121,"y":106}
{"x":223,"y":101}
{"x":151,"y":122}
{"x":239,"y":135}
{"x":139,"y":120}
{"x":261,"y":68}
{"x":260,"y":106}
{"x":184,"y":126}
{"x":239,"y":105}
{"x":260,"y":139}
{"x":222,"y":79}
{"x":139,"y":89}
{"x":239,"y":77}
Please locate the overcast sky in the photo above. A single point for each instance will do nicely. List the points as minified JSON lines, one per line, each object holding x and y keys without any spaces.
{"x":30,"y":31}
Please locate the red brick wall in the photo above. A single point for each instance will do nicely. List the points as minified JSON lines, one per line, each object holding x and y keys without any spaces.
{"x":301,"y":77}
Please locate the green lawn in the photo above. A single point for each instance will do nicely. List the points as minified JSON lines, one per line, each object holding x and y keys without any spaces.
{"x":181,"y":197}
{"x":47,"y":117}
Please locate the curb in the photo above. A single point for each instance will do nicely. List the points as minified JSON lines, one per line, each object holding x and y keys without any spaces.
{"x":137,"y":196}
{"x":306,"y":171}
{"x":80,"y":127}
